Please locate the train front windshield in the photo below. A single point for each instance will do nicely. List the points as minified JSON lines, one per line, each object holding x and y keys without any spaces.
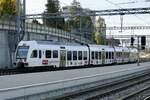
{"x":22,"y":52}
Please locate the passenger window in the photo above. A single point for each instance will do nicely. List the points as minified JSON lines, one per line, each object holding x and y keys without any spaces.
{"x":69,"y":55}
{"x":106,"y":55}
{"x":109,"y":55}
{"x":96,"y":55}
{"x":112,"y":55}
{"x":79,"y":55}
{"x":85,"y":55}
{"x":48,"y":54}
{"x":34,"y":54}
{"x":74,"y":55}
{"x":55,"y":54}
{"x":92,"y":54}
{"x":117,"y":54}
{"x":99,"y":55}
{"x":40,"y":54}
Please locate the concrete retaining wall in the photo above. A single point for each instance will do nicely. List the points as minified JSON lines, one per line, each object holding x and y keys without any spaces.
{"x":4,"y":50}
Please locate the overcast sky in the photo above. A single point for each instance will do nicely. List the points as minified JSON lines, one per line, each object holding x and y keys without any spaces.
{"x":38,"y":6}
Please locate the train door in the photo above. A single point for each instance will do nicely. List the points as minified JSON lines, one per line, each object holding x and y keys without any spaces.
{"x":103,"y":56}
{"x":34,"y":58}
{"x":62,"y":58}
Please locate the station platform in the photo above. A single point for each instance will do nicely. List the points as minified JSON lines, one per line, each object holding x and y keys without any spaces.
{"x":49,"y":81}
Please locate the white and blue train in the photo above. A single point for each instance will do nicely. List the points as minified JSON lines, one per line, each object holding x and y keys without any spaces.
{"x":50,"y":54}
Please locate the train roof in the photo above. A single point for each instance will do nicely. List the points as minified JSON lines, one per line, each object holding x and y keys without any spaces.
{"x":34,"y":42}
{"x":54,"y":45}
{"x":75,"y":45}
{"x":101,"y":47}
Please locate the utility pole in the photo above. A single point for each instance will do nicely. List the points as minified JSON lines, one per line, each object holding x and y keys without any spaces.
{"x":18,"y":20}
{"x":24,"y":20}
{"x":21,"y":21}
{"x":121,"y":19}
{"x":80,"y":28}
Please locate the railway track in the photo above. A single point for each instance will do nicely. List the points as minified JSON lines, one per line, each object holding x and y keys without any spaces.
{"x":147,"y":98}
{"x":35,"y":70}
{"x":21,"y":71}
{"x":8,"y":72}
{"x":41,"y":69}
{"x":116,"y":91}
{"x":136,"y":95}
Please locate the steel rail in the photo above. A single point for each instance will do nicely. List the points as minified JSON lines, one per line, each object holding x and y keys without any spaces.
{"x":147,"y":98}
{"x":98,"y":91}
{"x":127,"y":97}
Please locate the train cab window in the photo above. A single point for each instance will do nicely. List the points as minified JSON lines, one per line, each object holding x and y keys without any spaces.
{"x":92,"y":54}
{"x":79,"y":55}
{"x":96,"y":55}
{"x":55,"y":54}
{"x":100,"y":55}
{"x":69,"y":55}
{"x":48,"y":54}
{"x":85,"y":55}
{"x":109,"y":55}
{"x":40,"y":54}
{"x":74,"y":55}
{"x":34,"y":54}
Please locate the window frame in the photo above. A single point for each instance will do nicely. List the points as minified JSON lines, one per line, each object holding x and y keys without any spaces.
{"x":50,"y":56}
{"x":85,"y":55}
{"x":40,"y":54}
{"x":69,"y":55}
{"x":55,"y":52}
{"x":107,"y":55}
{"x":110,"y":55}
{"x":100,"y":55}
{"x":96,"y":55}
{"x":75,"y":55}
{"x":33,"y":54}
{"x":80,"y":55}
{"x":92,"y":55}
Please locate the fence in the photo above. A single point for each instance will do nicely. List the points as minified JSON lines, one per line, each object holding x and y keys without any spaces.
{"x":41,"y":29}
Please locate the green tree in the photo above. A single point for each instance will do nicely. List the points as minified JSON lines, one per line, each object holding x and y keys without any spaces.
{"x":53,"y":6}
{"x":100,"y":35}
{"x":8,"y":7}
{"x":79,"y":24}
{"x":99,"y":38}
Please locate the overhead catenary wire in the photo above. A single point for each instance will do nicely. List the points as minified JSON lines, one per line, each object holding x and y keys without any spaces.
{"x":128,"y":11}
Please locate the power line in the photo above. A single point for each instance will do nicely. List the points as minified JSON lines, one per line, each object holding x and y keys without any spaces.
{"x":128,"y":11}
{"x":133,"y":2}
{"x":91,"y":13}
